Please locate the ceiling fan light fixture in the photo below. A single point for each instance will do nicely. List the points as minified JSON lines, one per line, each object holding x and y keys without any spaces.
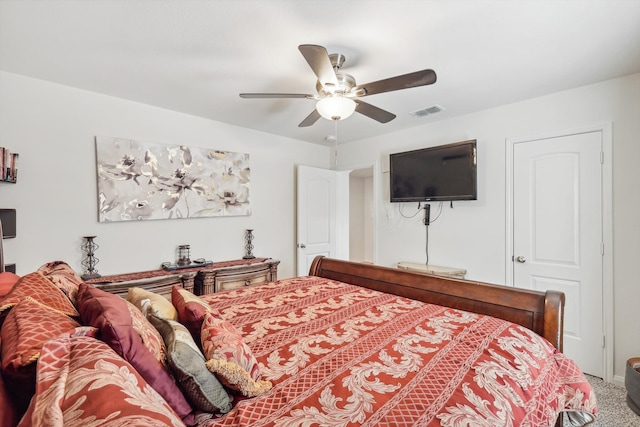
{"x":336,"y":90}
{"x":335,"y":107}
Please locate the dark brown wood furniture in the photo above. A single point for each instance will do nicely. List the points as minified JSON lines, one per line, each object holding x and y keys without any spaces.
{"x":541,"y":312}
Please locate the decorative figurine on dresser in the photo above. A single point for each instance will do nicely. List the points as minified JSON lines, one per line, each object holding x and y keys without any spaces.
{"x":184,"y":260}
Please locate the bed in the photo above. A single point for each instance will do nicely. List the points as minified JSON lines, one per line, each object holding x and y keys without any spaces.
{"x":351,"y":344}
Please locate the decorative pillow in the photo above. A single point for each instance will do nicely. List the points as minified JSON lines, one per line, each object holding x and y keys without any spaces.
{"x":81,"y":381}
{"x":26,"y":328}
{"x":188,"y":365}
{"x":7,"y":280}
{"x":191,"y":310}
{"x":63,"y":276}
{"x":230,"y":358}
{"x":148,"y":303}
{"x":110,"y":314}
{"x":151,"y":338}
{"x":40,"y":289}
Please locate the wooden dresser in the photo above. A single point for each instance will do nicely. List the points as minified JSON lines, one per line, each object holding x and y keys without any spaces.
{"x":157,"y":281}
{"x":216,"y":278}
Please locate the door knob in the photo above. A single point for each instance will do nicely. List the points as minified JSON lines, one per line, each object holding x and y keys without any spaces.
{"x":521,"y":259}
{"x":302,"y":245}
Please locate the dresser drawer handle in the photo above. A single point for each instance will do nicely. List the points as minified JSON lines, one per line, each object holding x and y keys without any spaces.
{"x":247,"y":282}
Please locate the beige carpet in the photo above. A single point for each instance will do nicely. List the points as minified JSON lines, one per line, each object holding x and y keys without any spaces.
{"x":612,"y":405}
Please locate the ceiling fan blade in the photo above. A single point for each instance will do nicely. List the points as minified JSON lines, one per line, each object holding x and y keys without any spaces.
{"x":405,"y":81}
{"x":374,"y":112}
{"x":318,"y":59}
{"x":311,"y":119}
{"x":276,"y":95}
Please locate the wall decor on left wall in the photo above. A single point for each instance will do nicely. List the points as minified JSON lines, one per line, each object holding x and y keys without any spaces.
{"x":140,"y":180}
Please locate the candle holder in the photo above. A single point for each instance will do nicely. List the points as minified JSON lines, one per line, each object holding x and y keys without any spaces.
{"x":89,"y":261}
{"x":184,"y":255}
{"x":248,"y":247}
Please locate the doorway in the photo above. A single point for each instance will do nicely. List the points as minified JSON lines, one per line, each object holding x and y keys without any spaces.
{"x":558,"y":233}
{"x":335,"y":211}
{"x":361,"y":215}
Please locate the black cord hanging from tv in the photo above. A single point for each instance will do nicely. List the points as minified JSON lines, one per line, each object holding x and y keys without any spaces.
{"x":426,"y":221}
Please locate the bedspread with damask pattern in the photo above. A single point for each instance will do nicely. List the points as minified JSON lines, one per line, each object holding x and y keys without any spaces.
{"x":341,"y":355}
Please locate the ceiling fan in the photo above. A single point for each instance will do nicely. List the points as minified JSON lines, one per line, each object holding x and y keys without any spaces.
{"x":338,"y":95}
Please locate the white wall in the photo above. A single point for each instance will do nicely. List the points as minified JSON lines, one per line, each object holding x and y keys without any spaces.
{"x":53,"y":128}
{"x":472,"y":234}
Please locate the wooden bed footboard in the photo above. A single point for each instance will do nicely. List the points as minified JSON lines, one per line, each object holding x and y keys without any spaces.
{"x":541,"y":312}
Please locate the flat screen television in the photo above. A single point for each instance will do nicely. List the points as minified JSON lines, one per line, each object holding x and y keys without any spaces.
{"x":442,"y":173}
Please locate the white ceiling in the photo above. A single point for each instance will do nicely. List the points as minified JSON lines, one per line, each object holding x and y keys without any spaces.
{"x":197,"y":56}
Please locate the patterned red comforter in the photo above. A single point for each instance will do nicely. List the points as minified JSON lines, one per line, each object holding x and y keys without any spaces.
{"x":341,"y":355}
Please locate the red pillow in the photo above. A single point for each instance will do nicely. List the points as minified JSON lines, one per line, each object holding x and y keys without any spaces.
{"x":63,"y":276}
{"x":151,"y":338}
{"x":81,"y":381}
{"x":26,"y":328}
{"x":191,"y":310}
{"x":41,"y":289}
{"x":7,"y":280}
{"x":230,"y":358}
{"x":110,"y":314}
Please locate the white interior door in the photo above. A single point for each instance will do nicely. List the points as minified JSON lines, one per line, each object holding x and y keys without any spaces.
{"x":558,"y":234}
{"x":316,"y":215}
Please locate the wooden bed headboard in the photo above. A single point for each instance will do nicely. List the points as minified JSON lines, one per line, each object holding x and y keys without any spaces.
{"x":542,"y":312}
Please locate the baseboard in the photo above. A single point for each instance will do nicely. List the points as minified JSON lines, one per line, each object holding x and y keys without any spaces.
{"x":618,"y":380}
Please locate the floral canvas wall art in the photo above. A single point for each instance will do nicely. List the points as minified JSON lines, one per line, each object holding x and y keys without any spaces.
{"x":139,"y":180}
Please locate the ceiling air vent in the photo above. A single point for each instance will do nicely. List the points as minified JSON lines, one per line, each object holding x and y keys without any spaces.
{"x":427,"y":111}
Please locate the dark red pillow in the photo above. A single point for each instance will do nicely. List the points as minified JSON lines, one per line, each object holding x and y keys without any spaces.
{"x":110,"y":314}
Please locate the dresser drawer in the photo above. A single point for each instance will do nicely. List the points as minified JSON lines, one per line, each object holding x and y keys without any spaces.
{"x":210,"y":280}
{"x":240,"y":281}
